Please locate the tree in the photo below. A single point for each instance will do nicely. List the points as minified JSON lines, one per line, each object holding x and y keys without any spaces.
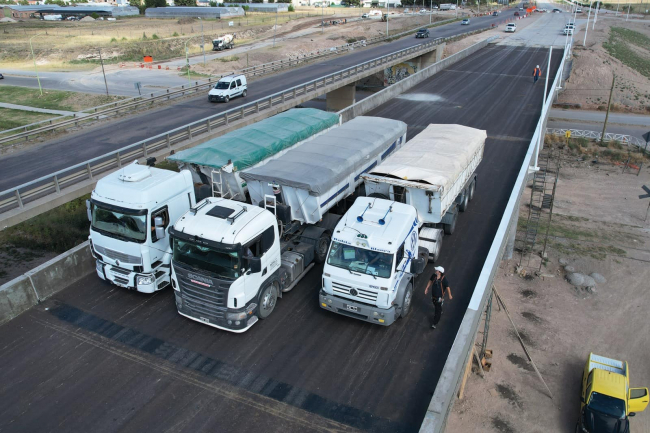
{"x":185,"y":2}
{"x":155,"y":3}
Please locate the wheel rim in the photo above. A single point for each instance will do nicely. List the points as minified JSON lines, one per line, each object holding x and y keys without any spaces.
{"x":322,"y":247}
{"x":268,"y":301}
{"x":407,"y":301}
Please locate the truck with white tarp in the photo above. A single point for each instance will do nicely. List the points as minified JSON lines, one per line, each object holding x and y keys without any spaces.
{"x":231,"y":260}
{"x":387,"y":238}
{"x":218,"y":162}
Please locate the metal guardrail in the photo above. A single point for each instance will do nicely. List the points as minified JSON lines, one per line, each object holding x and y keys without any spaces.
{"x":621,"y":138}
{"x":450,"y":379}
{"x":54,"y":183}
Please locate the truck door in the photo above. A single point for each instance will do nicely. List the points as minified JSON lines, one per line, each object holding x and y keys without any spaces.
{"x":160,"y":244}
{"x":261,"y":247}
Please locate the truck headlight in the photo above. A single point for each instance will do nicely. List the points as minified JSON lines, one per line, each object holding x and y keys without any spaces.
{"x":145,"y":280}
{"x":242,"y":314}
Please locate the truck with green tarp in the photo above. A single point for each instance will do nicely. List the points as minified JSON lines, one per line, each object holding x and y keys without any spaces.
{"x":219,"y":161}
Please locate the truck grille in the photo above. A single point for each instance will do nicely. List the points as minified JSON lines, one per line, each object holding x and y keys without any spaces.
{"x":116,"y":270}
{"x":116,"y":255}
{"x":361,"y":294}
{"x":206,"y":302}
{"x":122,"y":281}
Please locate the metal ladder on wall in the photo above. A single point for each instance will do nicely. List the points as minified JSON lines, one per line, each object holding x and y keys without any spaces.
{"x":218,"y":186}
{"x":542,"y":197}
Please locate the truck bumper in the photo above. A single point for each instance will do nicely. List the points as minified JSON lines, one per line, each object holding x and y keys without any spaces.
{"x":357,"y":310}
{"x":128,"y":279}
{"x":227,"y":319}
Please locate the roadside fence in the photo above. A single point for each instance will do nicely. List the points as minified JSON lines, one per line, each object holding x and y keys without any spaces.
{"x":625,"y":139}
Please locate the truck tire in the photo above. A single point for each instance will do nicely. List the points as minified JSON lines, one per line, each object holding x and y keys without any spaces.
{"x":423,"y":253}
{"x":243,"y":94}
{"x":465,"y":201}
{"x":378,"y":195}
{"x":436,"y":256}
{"x":472,"y":188}
{"x":268,"y":299}
{"x":406,"y":301}
{"x":321,"y":247}
{"x":449,"y":228}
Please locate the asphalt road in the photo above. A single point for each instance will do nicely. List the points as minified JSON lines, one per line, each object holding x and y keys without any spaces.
{"x":102,"y":359}
{"x":70,"y":149}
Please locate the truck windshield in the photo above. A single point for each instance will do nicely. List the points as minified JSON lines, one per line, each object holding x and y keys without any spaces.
{"x":611,"y":406}
{"x":224,"y":264}
{"x":222,"y":85}
{"x":119,"y":224}
{"x":360,"y":260}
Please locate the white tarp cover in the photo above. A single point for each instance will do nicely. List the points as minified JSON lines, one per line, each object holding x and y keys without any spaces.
{"x":321,"y":163}
{"x":436,"y":156}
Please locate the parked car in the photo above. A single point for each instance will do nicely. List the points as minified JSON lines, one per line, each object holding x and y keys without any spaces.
{"x":2,"y":77}
{"x":465,"y":22}
{"x":423,"y":11}
{"x":365,"y":16}
{"x":422,"y":33}
{"x":557,"y":11}
{"x":521,"y":9}
{"x":434,"y":7}
{"x":511,"y":28}
{"x":516,"y":14}
{"x":495,"y":13}
{"x":228,"y":87}
{"x":579,"y":10}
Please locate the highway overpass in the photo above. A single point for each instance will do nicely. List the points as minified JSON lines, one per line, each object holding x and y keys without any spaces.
{"x":95,"y":357}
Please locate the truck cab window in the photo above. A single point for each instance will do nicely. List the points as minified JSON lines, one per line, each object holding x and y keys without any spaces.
{"x":253,"y":249}
{"x":268,"y":237}
{"x":164,"y":214}
{"x":399,"y":256}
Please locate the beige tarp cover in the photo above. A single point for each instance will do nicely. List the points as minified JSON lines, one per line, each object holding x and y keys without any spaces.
{"x":437,"y":156}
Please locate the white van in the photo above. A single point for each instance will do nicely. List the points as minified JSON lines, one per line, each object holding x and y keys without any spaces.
{"x":227,"y":88}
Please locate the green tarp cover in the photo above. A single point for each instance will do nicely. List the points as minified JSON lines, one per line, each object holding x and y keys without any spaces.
{"x":254,"y":143}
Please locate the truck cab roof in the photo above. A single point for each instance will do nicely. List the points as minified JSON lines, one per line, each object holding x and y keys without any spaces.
{"x":140,"y":187}
{"x":223,"y":220}
{"x":362,"y":224}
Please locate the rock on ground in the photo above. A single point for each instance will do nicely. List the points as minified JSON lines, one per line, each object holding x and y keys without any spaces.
{"x":563,"y":262}
{"x":588,"y":281}
{"x":576,"y":279}
{"x":569,"y":269}
{"x":598,"y":278}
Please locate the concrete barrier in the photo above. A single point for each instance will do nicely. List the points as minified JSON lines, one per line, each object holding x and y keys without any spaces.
{"x":383,"y":96}
{"x":22,"y":293}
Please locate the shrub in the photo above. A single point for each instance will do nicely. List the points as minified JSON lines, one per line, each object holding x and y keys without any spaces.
{"x":144,"y":36}
{"x":582,"y":141}
{"x":615,"y":144}
{"x":291,"y":8}
{"x":154,"y":36}
{"x":94,"y":15}
{"x":113,"y":40}
{"x":175,"y":34}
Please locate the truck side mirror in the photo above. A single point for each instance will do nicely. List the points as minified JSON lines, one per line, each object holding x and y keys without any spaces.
{"x":160,"y":232}
{"x":254,"y":264}
{"x":158,"y":222}
{"x":88,"y":213}
{"x":417,"y":266}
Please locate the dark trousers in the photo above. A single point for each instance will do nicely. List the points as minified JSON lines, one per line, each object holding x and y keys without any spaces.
{"x":438,"y":312}
{"x":535,"y":78}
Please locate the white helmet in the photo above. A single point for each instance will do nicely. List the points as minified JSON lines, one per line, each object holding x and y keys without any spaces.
{"x":439,"y":269}
{"x":537,"y":66}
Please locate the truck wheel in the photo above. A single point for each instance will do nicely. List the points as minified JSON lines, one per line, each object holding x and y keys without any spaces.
{"x":406,"y":301}
{"x":268,"y":299}
{"x":243,"y":94}
{"x":378,"y":195}
{"x":449,"y":228}
{"x":472,"y":188}
{"x":320,"y":250}
{"x":465,"y":202}
{"x":226,"y":99}
{"x":437,"y":254}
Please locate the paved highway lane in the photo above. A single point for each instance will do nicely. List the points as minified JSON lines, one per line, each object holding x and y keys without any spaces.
{"x":68,"y":150}
{"x":98,"y":358}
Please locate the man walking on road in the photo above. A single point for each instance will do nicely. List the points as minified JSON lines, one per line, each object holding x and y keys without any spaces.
{"x":439,"y":286}
{"x":537,"y":73}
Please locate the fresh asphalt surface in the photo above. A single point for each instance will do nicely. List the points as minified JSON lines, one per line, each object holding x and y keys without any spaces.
{"x":98,"y":358}
{"x":71,"y":149}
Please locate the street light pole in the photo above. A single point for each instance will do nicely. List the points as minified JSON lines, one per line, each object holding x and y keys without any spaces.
{"x":104,"y":73}
{"x":628,"y":10}
{"x":202,"y":41}
{"x":187,"y":62}
{"x":34,"y":59}
{"x":595,"y":15}
{"x":587,"y":27}
{"x":275,"y":29}
{"x":430,"y":10}
{"x":387,"y":8}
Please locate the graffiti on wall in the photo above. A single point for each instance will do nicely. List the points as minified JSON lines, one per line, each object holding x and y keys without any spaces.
{"x":398,"y":72}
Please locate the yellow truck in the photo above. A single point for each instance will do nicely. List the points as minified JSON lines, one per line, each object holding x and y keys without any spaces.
{"x":606,"y":399}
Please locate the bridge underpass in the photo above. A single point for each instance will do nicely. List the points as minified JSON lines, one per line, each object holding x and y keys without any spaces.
{"x":98,"y":358}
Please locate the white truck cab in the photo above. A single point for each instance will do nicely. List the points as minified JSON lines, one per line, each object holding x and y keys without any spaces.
{"x":130,"y":211}
{"x":228,"y":88}
{"x":372,"y":260}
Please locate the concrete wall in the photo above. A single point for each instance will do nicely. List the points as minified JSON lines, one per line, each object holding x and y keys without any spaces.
{"x":22,"y":293}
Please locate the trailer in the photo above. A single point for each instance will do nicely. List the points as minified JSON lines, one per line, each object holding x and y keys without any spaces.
{"x":225,"y":42}
{"x":218,"y":162}
{"x":232,"y":260}
{"x":311,"y":178}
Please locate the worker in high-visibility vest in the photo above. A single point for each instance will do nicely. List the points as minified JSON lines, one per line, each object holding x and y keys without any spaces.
{"x":536,"y":74}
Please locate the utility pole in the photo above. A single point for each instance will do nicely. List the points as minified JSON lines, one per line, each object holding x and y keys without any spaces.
{"x":387,"y":8}
{"x":275,"y":29}
{"x":596,"y":15}
{"x":202,"y":41}
{"x":430,"y":10}
{"x":609,"y":104}
{"x":322,"y":17}
{"x":187,"y":62}
{"x":102,"y":62}
{"x":587,"y":27}
{"x":34,"y":59}
{"x":628,"y":10}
